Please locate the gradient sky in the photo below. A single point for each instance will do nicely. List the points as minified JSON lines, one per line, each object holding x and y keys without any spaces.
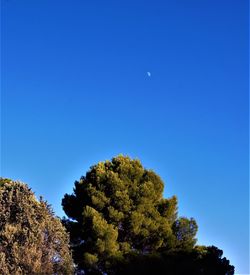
{"x":75,"y":91}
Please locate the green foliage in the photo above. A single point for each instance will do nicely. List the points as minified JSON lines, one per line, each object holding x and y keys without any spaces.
{"x":117,"y":210}
{"x":185,"y":231}
{"x":200,"y":260}
{"x":32,"y":239}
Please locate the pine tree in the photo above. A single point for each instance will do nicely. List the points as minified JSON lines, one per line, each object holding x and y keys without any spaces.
{"x":117,"y":210}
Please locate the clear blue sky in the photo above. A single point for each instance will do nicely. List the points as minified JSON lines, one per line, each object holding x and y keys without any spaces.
{"x":75,"y":91}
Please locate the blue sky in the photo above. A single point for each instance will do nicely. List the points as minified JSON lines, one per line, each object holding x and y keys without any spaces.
{"x":75,"y":91}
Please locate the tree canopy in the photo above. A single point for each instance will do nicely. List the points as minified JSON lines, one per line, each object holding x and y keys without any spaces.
{"x":32,"y":239}
{"x":201,"y":260}
{"x":117,"y":210}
